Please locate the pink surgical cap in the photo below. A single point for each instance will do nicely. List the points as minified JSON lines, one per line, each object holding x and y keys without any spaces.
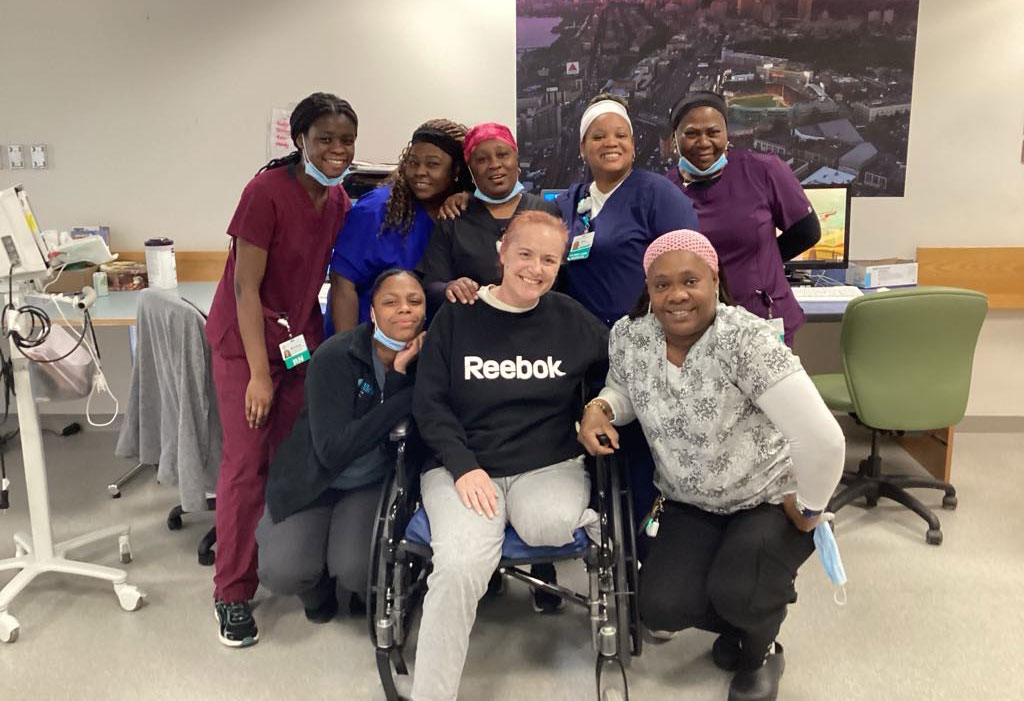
{"x":682,"y":240}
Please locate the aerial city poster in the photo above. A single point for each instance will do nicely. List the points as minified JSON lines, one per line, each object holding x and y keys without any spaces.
{"x":823,"y":84}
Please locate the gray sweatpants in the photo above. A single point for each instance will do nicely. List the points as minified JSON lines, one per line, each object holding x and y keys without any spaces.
{"x":331,"y":535}
{"x":545,"y":506}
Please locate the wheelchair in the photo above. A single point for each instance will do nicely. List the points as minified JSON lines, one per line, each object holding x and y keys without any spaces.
{"x":400,"y":561}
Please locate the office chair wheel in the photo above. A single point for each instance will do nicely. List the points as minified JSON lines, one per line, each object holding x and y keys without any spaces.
{"x":871,"y":500}
{"x":124,"y":547}
{"x":8,"y":628}
{"x":933,"y":536}
{"x":129,"y":596}
{"x":949,"y":502}
{"x":174,"y":523}
{"x":206,"y":559}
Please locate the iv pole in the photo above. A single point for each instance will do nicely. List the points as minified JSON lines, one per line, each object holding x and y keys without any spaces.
{"x":37,"y":554}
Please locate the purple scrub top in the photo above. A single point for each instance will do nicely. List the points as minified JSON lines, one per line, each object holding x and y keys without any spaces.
{"x":739,"y":213}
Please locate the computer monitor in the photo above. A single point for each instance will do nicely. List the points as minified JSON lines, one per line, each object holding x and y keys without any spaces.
{"x":832,"y":205}
{"x":551,"y":195}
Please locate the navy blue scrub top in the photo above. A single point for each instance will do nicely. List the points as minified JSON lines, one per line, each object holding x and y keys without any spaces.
{"x":645,"y":206}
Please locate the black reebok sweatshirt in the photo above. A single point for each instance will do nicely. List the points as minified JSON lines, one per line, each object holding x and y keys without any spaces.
{"x":500,"y":390}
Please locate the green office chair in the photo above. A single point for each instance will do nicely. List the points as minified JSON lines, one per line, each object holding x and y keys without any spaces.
{"x":907,"y":358}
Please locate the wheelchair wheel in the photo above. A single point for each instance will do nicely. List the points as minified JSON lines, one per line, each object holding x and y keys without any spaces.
{"x":624,"y":596}
{"x":631,"y":563}
{"x":377,"y":576}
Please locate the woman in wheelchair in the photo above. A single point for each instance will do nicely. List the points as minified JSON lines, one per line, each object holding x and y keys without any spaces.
{"x":325,"y":480}
{"x":746,"y":454}
{"x":496,"y":401}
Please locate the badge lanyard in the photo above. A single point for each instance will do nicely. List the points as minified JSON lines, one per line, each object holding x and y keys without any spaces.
{"x":777,"y":323}
{"x":293,"y":351}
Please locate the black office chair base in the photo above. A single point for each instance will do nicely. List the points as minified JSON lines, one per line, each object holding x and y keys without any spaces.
{"x":869,"y":482}
{"x":204,"y":553}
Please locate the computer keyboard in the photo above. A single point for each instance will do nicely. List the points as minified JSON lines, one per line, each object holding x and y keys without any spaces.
{"x":829,"y":293}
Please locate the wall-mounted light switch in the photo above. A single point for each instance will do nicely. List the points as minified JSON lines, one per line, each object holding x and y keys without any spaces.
{"x":16,"y":156}
{"x":38,"y":156}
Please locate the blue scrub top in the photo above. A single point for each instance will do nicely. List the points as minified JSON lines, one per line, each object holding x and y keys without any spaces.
{"x":645,"y":206}
{"x":364,"y":249}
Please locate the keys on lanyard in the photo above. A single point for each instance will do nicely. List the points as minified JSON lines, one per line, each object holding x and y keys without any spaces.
{"x":652,"y":522}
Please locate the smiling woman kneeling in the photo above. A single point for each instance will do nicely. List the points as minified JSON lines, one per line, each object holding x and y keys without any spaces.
{"x":496,"y":402}
{"x":746,"y":457}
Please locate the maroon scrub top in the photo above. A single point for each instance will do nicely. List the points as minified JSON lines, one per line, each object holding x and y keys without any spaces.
{"x":739,"y":212}
{"x":276,"y":214}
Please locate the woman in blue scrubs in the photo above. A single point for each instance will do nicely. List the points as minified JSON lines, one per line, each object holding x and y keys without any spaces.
{"x":611,"y":221}
{"x":613,"y":218}
{"x":389,"y":227}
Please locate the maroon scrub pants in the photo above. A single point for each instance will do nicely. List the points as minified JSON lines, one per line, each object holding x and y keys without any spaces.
{"x":241,"y":485}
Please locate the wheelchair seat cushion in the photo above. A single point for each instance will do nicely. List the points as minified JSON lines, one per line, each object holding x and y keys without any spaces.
{"x":513,"y":548}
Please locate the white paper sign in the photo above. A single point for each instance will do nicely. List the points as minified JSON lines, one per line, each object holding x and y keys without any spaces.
{"x":279,"y":135}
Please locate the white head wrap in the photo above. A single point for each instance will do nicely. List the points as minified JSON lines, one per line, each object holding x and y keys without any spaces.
{"x":599,"y":108}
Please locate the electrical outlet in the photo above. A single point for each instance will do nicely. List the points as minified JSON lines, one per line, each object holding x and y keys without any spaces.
{"x":38,"y":156}
{"x":16,"y":156}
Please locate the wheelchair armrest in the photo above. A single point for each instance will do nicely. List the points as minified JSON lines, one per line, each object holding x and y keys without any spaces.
{"x":400,"y":431}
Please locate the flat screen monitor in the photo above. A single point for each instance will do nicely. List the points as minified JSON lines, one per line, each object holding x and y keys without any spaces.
{"x":832,"y":205}
{"x":551,"y":195}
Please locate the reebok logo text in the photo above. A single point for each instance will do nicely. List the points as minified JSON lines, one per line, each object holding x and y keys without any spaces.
{"x":476,"y":368}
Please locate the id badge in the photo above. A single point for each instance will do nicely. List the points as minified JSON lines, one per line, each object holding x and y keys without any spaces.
{"x":581,"y":245}
{"x":294,"y":351}
{"x":780,"y":327}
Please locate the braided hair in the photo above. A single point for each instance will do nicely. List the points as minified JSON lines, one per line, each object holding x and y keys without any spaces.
{"x":400,"y":209}
{"x":305,"y":113}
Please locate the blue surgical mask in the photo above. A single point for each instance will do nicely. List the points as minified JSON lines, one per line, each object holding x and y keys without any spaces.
{"x":495,"y":200}
{"x":693,"y":170}
{"x":386,"y":340}
{"x":828,"y":553}
{"x":315,"y":173}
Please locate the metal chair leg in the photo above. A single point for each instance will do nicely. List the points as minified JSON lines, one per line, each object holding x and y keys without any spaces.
{"x":114,"y":488}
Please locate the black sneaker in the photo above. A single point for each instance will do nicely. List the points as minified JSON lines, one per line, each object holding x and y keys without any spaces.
{"x":546,"y":602}
{"x":324,"y":613}
{"x":237,"y":626}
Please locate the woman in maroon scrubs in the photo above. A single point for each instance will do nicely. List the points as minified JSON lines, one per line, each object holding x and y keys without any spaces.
{"x":264,"y":321}
{"x":742,"y":198}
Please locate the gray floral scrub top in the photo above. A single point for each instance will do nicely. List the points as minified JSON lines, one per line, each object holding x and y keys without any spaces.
{"x":713,"y":447}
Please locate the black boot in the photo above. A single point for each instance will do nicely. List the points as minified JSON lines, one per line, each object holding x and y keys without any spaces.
{"x":320,"y":603}
{"x":762,"y":683}
{"x":725,"y":652}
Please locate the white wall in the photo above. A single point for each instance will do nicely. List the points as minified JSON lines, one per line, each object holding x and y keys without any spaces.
{"x":156,"y":112}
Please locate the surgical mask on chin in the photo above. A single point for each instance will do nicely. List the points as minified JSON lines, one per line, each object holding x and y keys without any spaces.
{"x":828,"y":553}
{"x":686,"y":166}
{"x":499,"y":200}
{"x":315,"y":173}
{"x":386,"y":340}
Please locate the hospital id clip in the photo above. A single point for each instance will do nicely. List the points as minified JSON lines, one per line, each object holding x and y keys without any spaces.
{"x":581,"y":245}
{"x":294,"y":351}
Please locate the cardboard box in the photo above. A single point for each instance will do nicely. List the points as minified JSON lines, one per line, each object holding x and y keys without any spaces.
{"x":71,"y":281}
{"x":886,"y":272}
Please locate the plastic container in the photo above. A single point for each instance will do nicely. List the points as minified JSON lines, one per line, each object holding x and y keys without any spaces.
{"x":99,"y":283}
{"x":160,"y":264}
